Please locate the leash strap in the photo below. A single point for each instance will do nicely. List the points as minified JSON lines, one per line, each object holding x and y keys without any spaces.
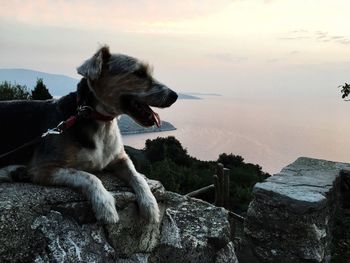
{"x":27,"y":144}
{"x":61,"y":127}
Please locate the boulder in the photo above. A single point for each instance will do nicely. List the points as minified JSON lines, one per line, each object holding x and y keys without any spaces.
{"x":291,"y":216}
{"x":52,"y":224}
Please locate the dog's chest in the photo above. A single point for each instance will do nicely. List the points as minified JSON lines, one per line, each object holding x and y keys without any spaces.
{"x":108,"y":145}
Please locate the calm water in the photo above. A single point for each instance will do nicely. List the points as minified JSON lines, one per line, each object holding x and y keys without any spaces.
{"x":269,"y":133}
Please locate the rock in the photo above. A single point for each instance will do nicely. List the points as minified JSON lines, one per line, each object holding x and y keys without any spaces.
{"x":290,"y":218}
{"x":193,"y":231}
{"x":51,"y":224}
{"x":128,"y":126}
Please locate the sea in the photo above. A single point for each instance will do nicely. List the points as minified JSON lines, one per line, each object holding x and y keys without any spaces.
{"x":268,"y":132}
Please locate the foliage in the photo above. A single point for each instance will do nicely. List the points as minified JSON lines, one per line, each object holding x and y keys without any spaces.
{"x":345,"y":90}
{"x":10,"y":91}
{"x":166,"y":160}
{"x":230,"y":160}
{"x":166,"y":148}
{"x":40,"y":92}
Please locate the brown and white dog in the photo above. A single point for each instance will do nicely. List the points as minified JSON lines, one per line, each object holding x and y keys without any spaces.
{"x":112,"y":84}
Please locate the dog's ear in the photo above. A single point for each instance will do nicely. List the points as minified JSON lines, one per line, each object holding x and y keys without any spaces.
{"x":92,"y":68}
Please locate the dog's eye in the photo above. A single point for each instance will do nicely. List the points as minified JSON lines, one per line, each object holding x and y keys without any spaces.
{"x":141,"y":73}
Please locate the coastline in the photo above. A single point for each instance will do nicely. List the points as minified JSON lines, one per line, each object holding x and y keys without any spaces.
{"x":148,"y":130}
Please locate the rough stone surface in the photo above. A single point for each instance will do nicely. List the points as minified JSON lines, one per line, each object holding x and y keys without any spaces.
{"x":51,"y":224}
{"x":290,"y":218}
{"x":193,"y":231}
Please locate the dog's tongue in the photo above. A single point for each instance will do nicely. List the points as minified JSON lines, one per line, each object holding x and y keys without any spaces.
{"x":156,"y":119}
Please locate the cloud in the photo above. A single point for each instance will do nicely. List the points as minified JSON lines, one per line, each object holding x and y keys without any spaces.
{"x":274,"y":60}
{"x":294,"y":52}
{"x":319,"y":36}
{"x":294,"y":38}
{"x":344,"y":41}
{"x":228,"y":58}
{"x":122,"y":15}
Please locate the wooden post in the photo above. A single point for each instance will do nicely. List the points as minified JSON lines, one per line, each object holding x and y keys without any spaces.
{"x":222,"y":186}
{"x":226,"y":187}
{"x":219,"y":189}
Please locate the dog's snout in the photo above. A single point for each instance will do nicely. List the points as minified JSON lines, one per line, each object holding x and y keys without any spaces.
{"x":172,"y":97}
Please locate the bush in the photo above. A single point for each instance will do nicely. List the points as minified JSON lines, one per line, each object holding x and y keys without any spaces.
{"x":166,"y":160}
{"x":10,"y":91}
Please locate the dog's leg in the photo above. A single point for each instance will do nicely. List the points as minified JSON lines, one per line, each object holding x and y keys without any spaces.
{"x":6,"y":172}
{"x":102,"y":201}
{"x":125,"y":169}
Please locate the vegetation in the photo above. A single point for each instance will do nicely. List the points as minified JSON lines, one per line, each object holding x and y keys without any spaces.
{"x":9,"y":91}
{"x":341,"y":239}
{"x":166,"y":160}
{"x":40,"y":92}
{"x":345,"y":90}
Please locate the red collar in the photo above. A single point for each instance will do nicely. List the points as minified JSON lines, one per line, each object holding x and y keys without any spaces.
{"x":90,"y":113}
{"x":100,"y":117}
{"x":86,"y":112}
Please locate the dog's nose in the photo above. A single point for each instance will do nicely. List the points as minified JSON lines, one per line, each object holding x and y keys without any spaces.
{"x":172,"y":97}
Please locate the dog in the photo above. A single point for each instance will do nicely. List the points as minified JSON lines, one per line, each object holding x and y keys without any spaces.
{"x":89,"y":139}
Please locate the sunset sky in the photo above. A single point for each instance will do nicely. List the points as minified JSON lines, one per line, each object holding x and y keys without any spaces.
{"x":242,"y":48}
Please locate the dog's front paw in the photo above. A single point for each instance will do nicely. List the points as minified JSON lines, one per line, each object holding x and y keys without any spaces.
{"x":104,"y":208}
{"x":149,"y":208}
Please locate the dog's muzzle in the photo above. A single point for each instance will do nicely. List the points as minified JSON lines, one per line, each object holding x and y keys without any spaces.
{"x":139,"y":106}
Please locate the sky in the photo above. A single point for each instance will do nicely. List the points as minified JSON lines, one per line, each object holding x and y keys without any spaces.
{"x":259,"y":49}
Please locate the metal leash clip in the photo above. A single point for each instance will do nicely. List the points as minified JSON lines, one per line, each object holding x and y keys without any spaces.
{"x":84,"y":111}
{"x":54,"y":131}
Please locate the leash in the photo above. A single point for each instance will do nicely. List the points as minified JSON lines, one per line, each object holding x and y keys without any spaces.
{"x":59,"y":129}
{"x":83,"y":111}
{"x":27,"y":144}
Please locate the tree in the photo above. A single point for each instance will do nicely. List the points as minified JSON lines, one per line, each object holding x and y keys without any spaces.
{"x":230,"y":160}
{"x":9,"y":91}
{"x":40,"y":92}
{"x":167,"y":172}
{"x":170,"y":147}
{"x":154,"y":150}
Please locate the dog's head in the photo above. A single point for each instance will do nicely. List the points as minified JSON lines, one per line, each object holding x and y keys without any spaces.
{"x":124,"y":85}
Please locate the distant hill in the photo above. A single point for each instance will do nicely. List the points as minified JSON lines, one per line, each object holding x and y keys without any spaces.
{"x":58,"y":85}
{"x":202,"y":94}
{"x":183,"y":96}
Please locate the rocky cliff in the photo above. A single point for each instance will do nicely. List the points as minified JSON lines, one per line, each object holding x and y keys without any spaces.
{"x":50,"y":224}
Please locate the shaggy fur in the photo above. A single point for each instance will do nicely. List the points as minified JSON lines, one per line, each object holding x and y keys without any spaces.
{"x":112,"y":84}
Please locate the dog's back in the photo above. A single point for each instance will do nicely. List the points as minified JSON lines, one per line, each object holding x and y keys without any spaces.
{"x":22,"y":121}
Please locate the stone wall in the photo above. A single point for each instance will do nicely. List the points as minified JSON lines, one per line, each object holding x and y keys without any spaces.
{"x":50,"y":224}
{"x":291,"y":216}
{"x":290,"y":220}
